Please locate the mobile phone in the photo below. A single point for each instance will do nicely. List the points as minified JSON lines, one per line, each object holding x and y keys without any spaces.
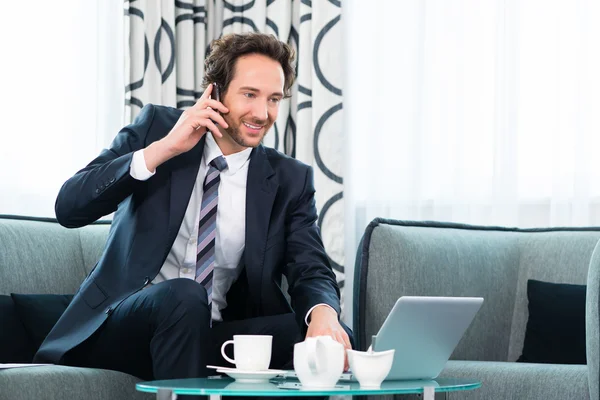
{"x":216,"y":95}
{"x":216,"y":92}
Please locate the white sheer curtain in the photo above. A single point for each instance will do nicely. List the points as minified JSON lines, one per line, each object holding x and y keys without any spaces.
{"x":473,"y":111}
{"x":62,"y":95}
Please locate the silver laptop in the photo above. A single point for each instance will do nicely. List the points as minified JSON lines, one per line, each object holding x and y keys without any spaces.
{"x":424,"y":331}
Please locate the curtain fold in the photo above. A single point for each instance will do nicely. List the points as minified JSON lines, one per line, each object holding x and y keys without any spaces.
{"x":167,"y":41}
{"x":481,"y":112}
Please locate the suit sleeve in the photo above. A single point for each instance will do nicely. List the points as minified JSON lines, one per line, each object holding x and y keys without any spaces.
{"x":307,"y":269}
{"x":97,"y":189}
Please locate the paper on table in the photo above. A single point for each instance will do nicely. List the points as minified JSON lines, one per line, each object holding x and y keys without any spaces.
{"x":7,"y":366}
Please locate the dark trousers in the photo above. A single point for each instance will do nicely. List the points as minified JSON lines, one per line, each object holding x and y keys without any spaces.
{"x":163,"y":332}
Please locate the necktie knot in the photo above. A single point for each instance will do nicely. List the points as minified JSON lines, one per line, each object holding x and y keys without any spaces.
{"x":219,"y":163}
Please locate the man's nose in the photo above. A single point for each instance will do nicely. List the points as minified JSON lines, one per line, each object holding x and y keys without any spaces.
{"x":260,"y":110}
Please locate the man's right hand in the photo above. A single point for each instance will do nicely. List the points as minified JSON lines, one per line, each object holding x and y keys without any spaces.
{"x":187,"y":131}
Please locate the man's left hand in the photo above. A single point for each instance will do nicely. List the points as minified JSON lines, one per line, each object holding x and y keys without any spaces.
{"x":324,"y":322}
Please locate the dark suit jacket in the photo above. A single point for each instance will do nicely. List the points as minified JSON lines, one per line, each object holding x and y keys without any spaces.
{"x":282,"y":237}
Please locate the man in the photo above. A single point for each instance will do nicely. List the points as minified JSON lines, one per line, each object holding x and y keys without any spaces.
{"x":207,"y":222}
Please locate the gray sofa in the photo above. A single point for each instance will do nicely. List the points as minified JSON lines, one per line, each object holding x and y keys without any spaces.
{"x":398,"y":258}
{"x":41,"y":257}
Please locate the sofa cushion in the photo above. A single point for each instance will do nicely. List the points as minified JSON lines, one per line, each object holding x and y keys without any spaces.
{"x":400,"y":260}
{"x":39,"y":257}
{"x":57,"y":382}
{"x":552,"y":256}
{"x":39,"y":313}
{"x":510,"y":380}
{"x":555,"y":331}
{"x":15,"y":345}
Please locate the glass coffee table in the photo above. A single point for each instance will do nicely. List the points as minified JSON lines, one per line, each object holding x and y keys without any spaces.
{"x":218,"y":386}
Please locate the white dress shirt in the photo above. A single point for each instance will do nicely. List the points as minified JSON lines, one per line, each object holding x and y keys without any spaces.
{"x":231,"y":223}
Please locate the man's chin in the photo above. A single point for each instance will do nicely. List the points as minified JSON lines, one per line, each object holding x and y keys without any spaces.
{"x":252,"y":143}
{"x":249,"y":140}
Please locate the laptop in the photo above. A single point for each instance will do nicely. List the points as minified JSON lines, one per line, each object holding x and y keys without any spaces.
{"x":424,"y":331}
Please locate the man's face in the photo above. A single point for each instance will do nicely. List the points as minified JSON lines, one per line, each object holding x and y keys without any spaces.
{"x":253,"y":98}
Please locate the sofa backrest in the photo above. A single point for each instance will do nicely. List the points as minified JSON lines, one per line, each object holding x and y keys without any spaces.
{"x":402,"y":258}
{"x":561,"y":256}
{"x":38,"y":256}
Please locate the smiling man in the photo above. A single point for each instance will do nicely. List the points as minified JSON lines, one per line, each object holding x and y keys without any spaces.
{"x":207,"y":223}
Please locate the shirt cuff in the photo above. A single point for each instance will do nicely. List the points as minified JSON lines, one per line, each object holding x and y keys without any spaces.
{"x":309,"y":311}
{"x":138,"y":169}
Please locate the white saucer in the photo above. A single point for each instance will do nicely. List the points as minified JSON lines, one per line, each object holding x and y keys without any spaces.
{"x":251,"y":376}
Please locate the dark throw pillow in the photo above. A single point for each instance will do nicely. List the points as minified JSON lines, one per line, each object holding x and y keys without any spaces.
{"x":39,"y":313}
{"x":15,"y":346}
{"x":556,"y":326}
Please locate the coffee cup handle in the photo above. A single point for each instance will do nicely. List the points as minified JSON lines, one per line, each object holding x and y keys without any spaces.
{"x":311,"y":356}
{"x":223,"y":351}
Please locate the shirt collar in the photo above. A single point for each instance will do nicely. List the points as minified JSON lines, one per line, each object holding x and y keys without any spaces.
{"x":235,"y":161}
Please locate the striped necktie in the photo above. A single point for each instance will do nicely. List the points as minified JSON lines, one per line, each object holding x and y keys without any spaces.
{"x":205,"y":259}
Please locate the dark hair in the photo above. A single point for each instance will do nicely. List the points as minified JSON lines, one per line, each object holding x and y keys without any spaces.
{"x":219,"y":65}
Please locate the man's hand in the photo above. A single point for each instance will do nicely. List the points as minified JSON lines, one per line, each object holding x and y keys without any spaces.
{"x":324,"y":322}
{"x":188,"y":130}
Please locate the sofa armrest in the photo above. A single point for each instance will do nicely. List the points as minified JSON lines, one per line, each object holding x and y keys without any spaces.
{"x":592,"y":322}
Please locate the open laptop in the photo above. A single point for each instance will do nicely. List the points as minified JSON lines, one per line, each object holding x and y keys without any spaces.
{"x":424,"y":331}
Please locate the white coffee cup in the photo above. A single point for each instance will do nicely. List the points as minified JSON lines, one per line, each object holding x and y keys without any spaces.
{"x":250,"y":352}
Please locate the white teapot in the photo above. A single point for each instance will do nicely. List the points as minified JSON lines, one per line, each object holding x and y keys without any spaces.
{"x":319,"y":361}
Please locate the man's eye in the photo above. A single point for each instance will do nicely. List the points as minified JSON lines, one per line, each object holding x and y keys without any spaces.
{"x":249,"y":95}
{"x":275,"y":100}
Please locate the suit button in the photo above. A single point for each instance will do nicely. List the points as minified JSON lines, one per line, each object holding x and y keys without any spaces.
{"x":146,"y":281}
{"x":111,"y":180}
{"x":108,"y":311}
{"x":97,"y":190}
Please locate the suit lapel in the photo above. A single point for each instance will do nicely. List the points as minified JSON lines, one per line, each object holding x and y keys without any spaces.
{"x":184,"y":171}
{"x":261,"y":189}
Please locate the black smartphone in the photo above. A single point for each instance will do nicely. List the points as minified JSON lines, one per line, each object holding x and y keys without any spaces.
{"x":216,"y":92}
{"x":216,"y":95}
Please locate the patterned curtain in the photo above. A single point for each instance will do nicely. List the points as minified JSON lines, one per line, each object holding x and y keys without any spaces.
{"x":167,"y":40}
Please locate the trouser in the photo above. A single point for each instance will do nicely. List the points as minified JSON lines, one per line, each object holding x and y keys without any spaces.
{"x":163,"y":332}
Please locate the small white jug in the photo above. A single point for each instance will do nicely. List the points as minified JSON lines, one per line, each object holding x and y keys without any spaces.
{"x":319,"y":361}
